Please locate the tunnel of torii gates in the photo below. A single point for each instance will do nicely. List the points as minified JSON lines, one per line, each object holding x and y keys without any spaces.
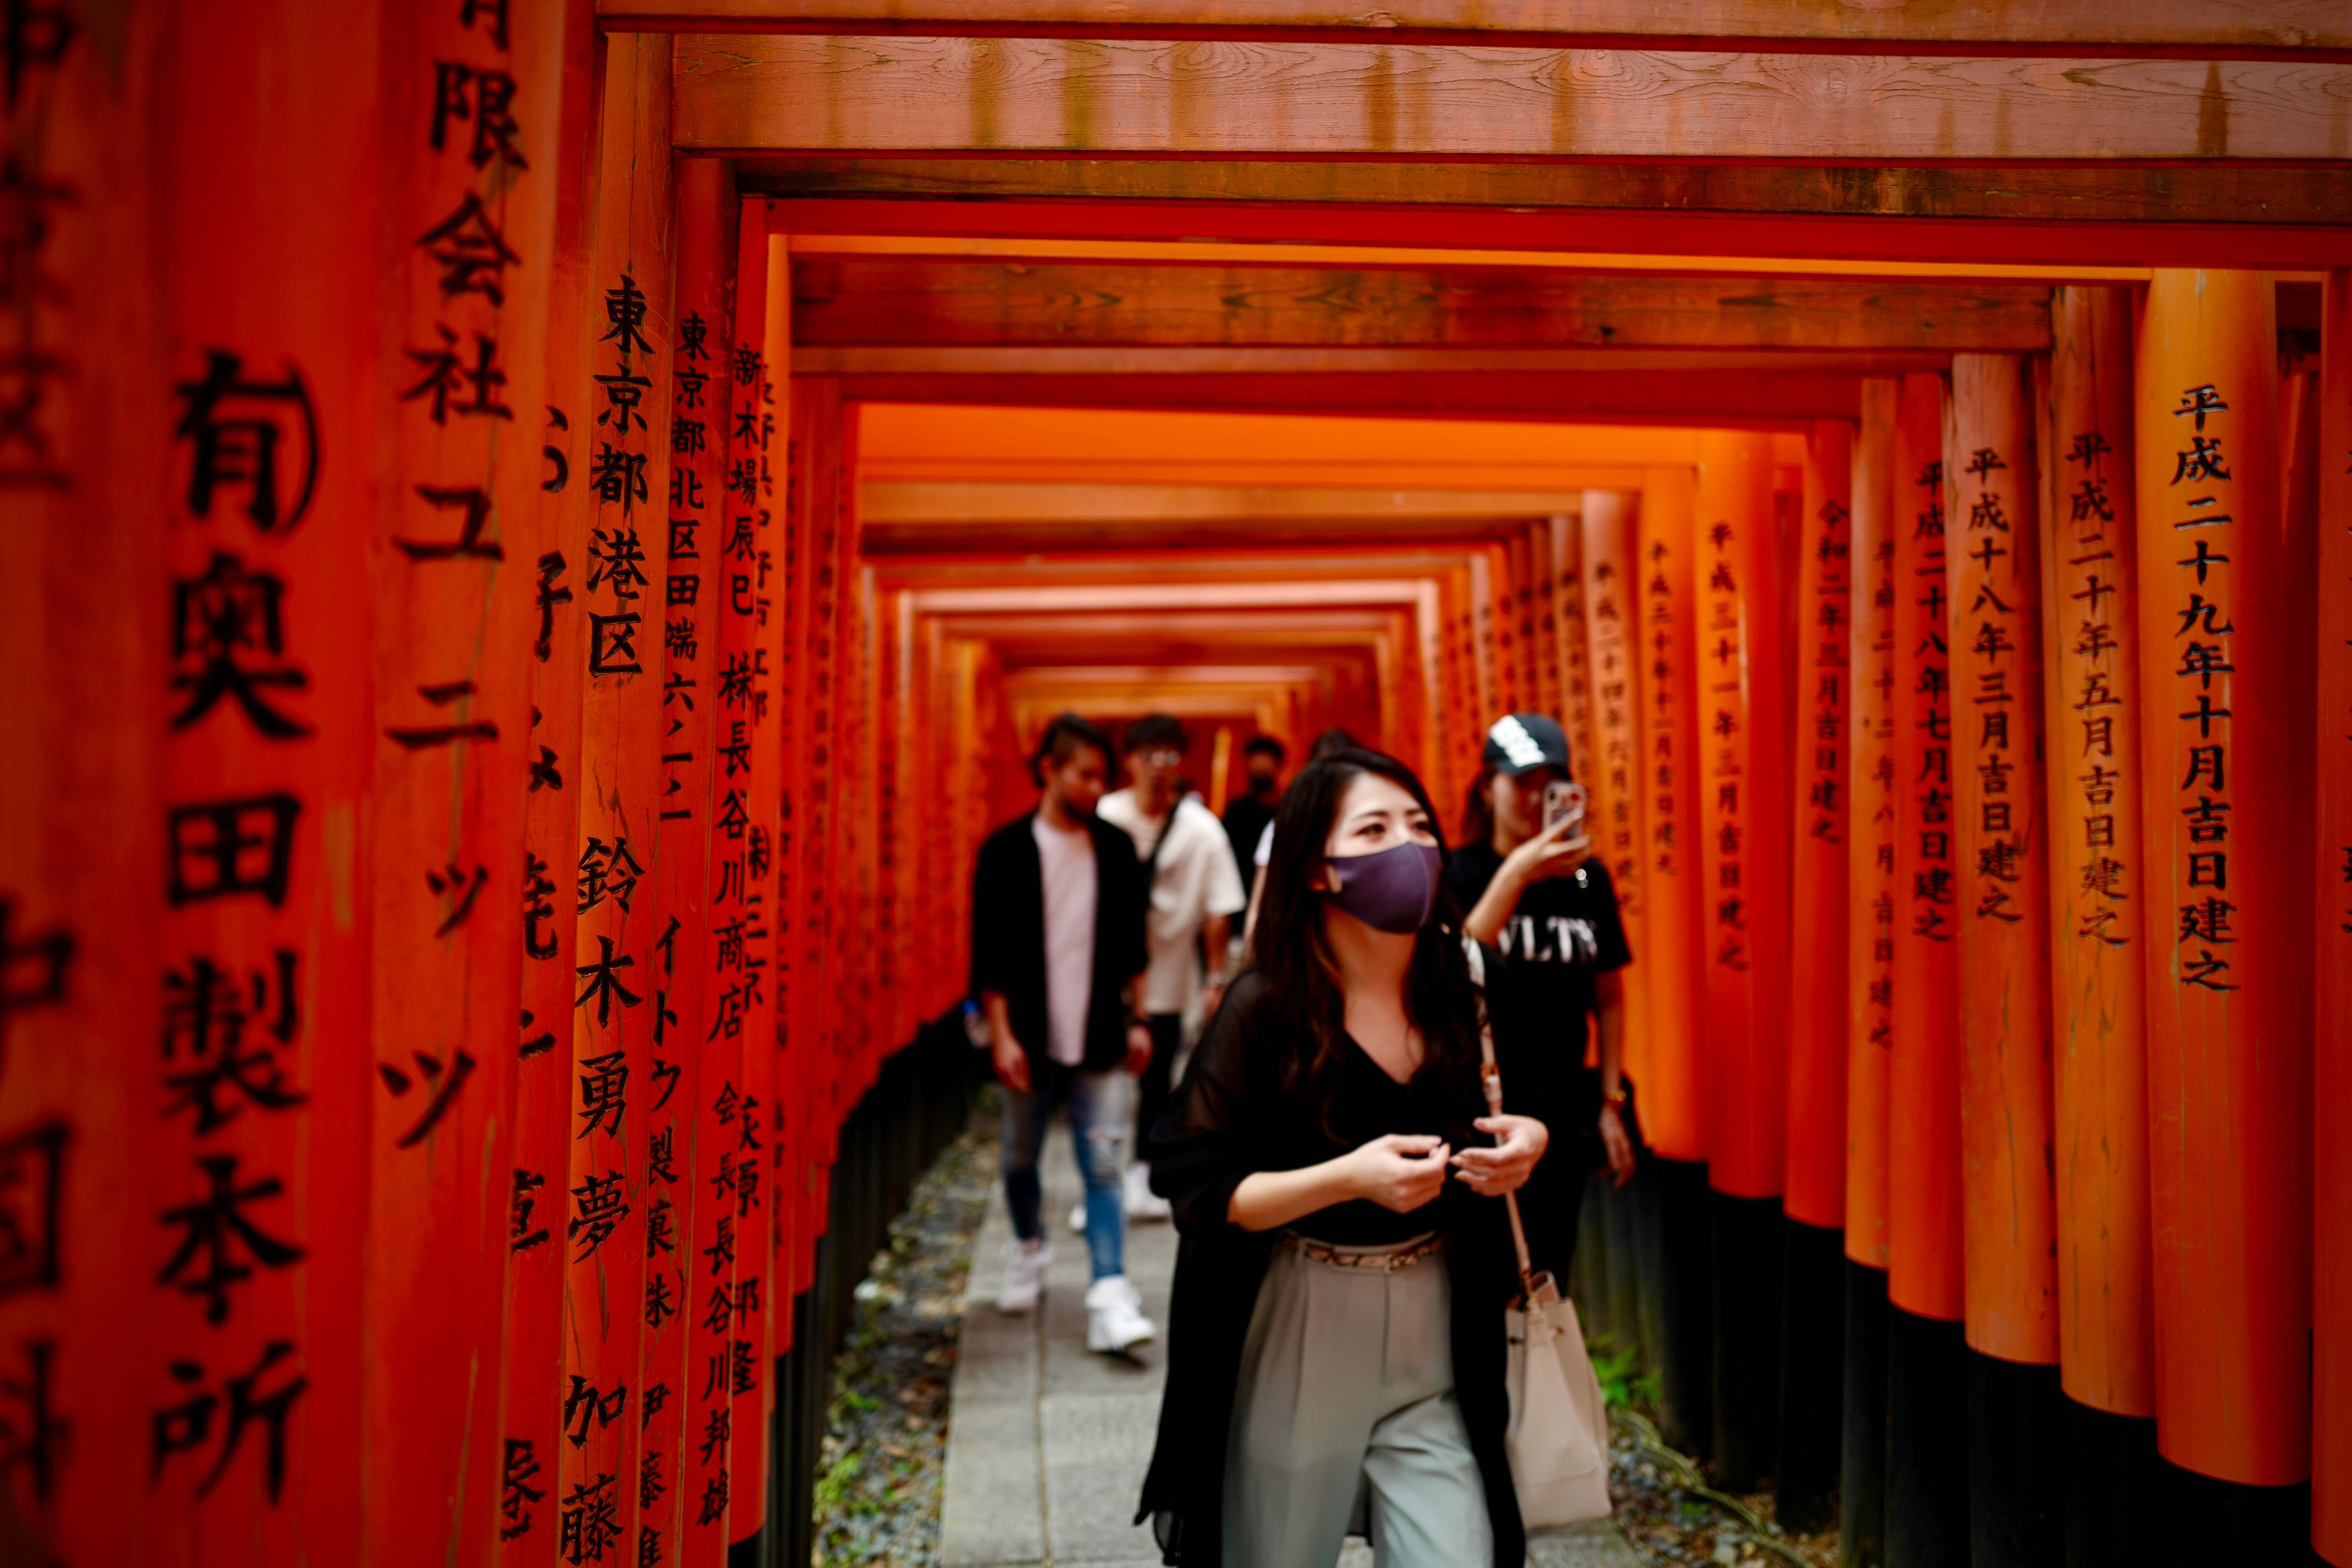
{"x":536,"y":539}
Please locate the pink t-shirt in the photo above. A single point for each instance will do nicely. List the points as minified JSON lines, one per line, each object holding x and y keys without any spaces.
{"x":1067,"y":860}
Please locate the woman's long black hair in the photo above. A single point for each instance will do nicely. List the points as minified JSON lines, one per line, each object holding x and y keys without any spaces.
{"x":1302,"y":1005}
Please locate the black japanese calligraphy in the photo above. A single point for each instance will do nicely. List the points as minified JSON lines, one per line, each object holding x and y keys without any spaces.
{"x":445,"y":1084}
{"x":261,"y":436}
{"x":187,"y":1426}
{"x":228,"y":640}
{"x":217,"y":1230}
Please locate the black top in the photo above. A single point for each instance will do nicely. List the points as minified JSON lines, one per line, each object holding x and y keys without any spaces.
{"x":1564,"y":933}
{"x":1008,"y":937}
{"x":1233,"y":1117}
{"x":1245,"y":821}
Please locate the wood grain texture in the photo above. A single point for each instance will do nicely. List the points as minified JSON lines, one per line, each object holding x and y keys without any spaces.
{"x":2225,"y":194}
{"x":2233,"y":26}
{"x":959,"y":300}
{"x":745,"y":93}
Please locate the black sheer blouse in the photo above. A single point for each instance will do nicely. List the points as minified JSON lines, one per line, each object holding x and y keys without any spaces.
{"x":1233,"y":1117}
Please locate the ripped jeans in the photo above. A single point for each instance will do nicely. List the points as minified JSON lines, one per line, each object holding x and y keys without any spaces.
{"x":1098,"y":1113}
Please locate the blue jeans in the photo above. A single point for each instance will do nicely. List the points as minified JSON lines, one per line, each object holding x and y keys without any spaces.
{"x":1098,"y":1102}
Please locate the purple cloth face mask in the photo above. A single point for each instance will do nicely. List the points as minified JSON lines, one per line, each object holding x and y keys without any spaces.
{"x":1391,"y":889}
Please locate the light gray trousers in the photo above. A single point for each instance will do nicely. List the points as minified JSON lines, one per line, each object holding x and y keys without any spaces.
{"x":1345,"y":1417}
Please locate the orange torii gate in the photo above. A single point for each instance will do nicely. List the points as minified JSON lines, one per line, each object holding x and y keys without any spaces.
{"x":399,"y":913}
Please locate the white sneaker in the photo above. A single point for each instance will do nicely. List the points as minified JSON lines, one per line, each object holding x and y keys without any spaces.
{"x":1141,"y":1202}
{"x":1078,"y":1220}
{"x":1114,"y":1319}
{"x":1024,"y":1275}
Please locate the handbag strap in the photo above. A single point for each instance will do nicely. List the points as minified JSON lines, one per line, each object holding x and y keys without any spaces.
{"x":1490,"y":1078}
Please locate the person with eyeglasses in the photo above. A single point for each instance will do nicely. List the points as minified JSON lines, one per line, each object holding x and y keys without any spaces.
{"x":1195,"y":891}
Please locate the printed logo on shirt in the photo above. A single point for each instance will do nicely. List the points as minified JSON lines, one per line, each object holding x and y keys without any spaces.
{"x":1565,"y":940}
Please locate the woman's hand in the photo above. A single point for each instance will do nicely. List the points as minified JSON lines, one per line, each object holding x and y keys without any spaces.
{"x":1139,"y":1047}
{"x":1616,"y":1145}
{"x":1399,"y":1170}
{"x":1519,"y":1142}
{"x":1549,"y":854}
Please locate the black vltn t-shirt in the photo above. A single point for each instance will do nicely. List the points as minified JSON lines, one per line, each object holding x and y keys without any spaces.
{"x":1563,"y":933}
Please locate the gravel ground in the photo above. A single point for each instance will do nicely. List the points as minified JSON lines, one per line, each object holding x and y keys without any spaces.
{"x":1668,"y":1522}
{"x":886,"y":1427}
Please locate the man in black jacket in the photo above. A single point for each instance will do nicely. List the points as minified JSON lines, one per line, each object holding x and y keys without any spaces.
{"x":1057,"y":960}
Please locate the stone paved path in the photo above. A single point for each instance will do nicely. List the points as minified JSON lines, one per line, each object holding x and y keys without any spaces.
{"x":1047,"y":1443}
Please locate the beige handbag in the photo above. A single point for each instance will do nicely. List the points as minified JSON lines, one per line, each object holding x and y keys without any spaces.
{"x":1557,"y":1436}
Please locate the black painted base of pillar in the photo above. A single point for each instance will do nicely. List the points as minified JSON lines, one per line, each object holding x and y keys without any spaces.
{"x":1588,"y":1269}
{"x":2112,"y":1497}
{"x":1624,"y":1260}
{"x":1685,"y":1305}
{"x":749,"y":1552}
{"x":2206,"y":1523}
{"x":1749,"y":1245}
{"x":1862,"y":1486}
{"x":1812,"y":1376}
{"x":1927,"y":1443}
{"x":2017,"y":1463}
{"x":1650,"y":1265}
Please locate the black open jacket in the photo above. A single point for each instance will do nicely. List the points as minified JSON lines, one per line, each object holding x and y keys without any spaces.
{"x":1008,"y":937}
{"x":1229,"y":1118}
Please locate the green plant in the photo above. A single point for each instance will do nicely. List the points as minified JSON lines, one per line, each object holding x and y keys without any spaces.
{"x":1623,"y":1383}
{"x":833,"y":1487}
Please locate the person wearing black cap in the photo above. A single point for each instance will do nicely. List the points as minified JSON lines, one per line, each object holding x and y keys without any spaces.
{"x":1538,"y":898}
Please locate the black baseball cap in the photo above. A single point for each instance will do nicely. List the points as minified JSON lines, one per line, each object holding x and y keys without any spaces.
{"x":1520,"y":742}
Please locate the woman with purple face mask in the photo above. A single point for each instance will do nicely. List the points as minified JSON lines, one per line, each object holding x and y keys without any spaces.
{"x":1336,"y":1359}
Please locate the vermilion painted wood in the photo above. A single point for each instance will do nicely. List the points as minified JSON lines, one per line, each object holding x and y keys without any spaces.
{"x":622,"y":777}
{"x":743,"y":93}
{"x":1821,"y":802}
{"x":1992,"y":521}
{"x":1544,"y":609}
{"x":1743,"y":800}
{"x":454,"y":625}
{"x":2078,"y":214}
{"x":1612,"y":771}
{"x":950,"y":299}
{"x":1923,"y":1162}
{"x":552,"y":552}
{"x":714,"y":964}
{"x":850,"y":963}
{"x":1519,"y":624}
{"x":1575,"y":619}
{"x":1494,"y":695}
{"x":1769,"y":400}
{"x":815,"y":416}
{"x":758,"y":447}
{"x":86,"y":487}
{"x":2098,"y":945}
{"x":1870,"y":902}
{"x":291,"y":293}
{"x":2331,"y":1459}
{"x":1674,"y":1105}
{"x":2228,"y":1070}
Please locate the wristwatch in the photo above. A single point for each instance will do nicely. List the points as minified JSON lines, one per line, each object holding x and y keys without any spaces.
{"x":1615,"y":1099}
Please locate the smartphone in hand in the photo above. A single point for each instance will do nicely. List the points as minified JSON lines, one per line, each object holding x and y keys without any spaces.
{"x":1565,"y":801}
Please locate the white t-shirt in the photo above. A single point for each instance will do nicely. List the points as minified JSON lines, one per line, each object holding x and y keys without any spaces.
{"x":1194,"y":880}
{"x":1067,"y":860}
